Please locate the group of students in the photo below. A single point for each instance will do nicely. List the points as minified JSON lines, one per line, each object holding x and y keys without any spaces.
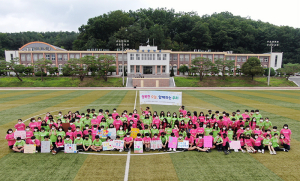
{"x":255,"y":133}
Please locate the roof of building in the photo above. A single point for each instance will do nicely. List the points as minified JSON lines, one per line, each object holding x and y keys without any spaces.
{"x":36,"y":42}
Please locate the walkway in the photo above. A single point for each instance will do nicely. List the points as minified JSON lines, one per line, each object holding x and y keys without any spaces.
{"x":296,"y":80}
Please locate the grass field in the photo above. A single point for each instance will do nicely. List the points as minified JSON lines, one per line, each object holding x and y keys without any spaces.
{"x":60,"y":82}
{"x":232,"y":82}
{"x":280,"y":106}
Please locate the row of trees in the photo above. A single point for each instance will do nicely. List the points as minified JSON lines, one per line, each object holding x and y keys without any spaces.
{"x":75,"y":67}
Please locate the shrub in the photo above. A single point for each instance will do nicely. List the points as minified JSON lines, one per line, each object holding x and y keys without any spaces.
{"x":38,"y":74}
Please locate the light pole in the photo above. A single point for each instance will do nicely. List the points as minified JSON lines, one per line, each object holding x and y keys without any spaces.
{"x":271,"y":44}
{"x":122,"y":43}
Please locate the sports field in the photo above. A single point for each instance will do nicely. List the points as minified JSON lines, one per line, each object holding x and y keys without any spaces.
{"x":282,"y":107}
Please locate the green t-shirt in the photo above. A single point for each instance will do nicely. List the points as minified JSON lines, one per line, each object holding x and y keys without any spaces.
{"x":257,"y":116}
{"x":260,"y":124}
{"x":87,"y":142}
{"x":267,"y":124}
{"x":147,"y":122}
{"x":121,"y":133}
{"x":248,"y":132}
{"x":103,"y":124}
{"x":273,"y":132}
{"x":97,"y":143}
{"x":145,"y":131}
{"x":164,"y":139}
{"x":80,"y":124}
{"x":266,"y":141}
{"x":153,"y":131}
{"x":123,"y":119}
{"x":168,"y":130}
{"x":109,"y":121}
{"x":64,"y":120}
{"x":78,"y":141}
{"x":274,"y":142}
{"x":53,"y":137}
{"x":87,"y":121}
{"x":215,"y":133}
{"x":230,"y":135}
{"x":183,"y":134}
{"x":169,"y":119}
{"x":43,"y":134}
{"x":46,"y":127}
{"x":68,"y":141}
{"x":207,"y":131}
{"x":37,"y":135}
{"x":61,"y":133}
{"x":218,"y":140}
{"x":22,"y":143}
{"x":186,"y":120}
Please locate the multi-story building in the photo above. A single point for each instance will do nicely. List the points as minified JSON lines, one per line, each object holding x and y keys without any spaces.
{"x":146,"y":60}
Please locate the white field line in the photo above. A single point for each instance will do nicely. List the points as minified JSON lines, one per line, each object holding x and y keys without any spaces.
{"x":135,"y":100}
{"x":127,"y":167}
{"x":138,"y":154}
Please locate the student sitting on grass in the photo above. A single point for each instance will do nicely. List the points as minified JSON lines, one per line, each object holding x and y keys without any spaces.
{"x":60,"y":145}
{"x":35,"y":142}
{"x":218,"y":141}
{"x":200,"y":144}
{"x":97,"y":144}
{"x":146,"y":141}
{"x":268,"y":145}
{"x":19,"y":145}
{"x":87,"y":143}
{"x":128,"y":141}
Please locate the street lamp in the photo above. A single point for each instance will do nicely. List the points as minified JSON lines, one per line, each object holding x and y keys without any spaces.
{"x":122,"y":43}
{"x":271,"y":44}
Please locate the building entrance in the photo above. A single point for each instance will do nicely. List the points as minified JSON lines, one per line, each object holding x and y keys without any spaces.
{"x":147,"y":69}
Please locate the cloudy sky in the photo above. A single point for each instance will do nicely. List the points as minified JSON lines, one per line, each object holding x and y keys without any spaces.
{"x":68,"y":15}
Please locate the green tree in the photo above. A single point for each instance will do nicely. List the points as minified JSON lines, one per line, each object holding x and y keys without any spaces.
{"x":214,"y":70}
{"x":66,"y":70}
{"x":290,"y":69}
{"x":252,"y":67}
{"x":29,"y":70}
{"x":53,"y":70}
{"x":80,"y":67}
{"x":202,"y":65}
{"x":104,"y":62}
{"x":172,"y":72}
{"x":12,"y":66}
{"x":183,"y":69}
{"x":272,"y":73}
{"x":112,"y":69}
{"x":224,"y":66}
{"x":42,"y":65}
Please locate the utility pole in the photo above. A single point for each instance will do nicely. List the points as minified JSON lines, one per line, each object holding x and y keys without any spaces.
{"x":271,"y":44}
{"x":122,"y":43}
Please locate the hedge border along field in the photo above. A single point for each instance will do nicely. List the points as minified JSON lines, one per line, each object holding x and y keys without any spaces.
{"x":212,"y":166}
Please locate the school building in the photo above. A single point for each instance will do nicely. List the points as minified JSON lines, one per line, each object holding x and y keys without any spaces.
{"x":145,"y":60}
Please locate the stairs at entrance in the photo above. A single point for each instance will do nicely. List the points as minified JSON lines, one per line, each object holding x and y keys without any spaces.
{"x":150,"y":81}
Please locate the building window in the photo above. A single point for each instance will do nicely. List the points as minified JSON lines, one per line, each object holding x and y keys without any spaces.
{"x":65,"y":57}
{"x":41,"y":56}
{"x":143,"y":57}
{"x":163,"y":69}
{"x":137,"y":56}
{"x":131,"y":56}
{"x":82,"y":55}
{"x":47,"y":56}
{"x":158,"y":68}
{"x":158,"y":56}
{"x":276,"y":57}
{"x":28,"y":57}
{"x":120,"y":68}
{"x":131,"y":68}
{"x":193,"y":57}
{"x":181,"y":57}
{"x":261,"y":59}
{"x":244,"y":59}
{"x":11,"y":56}
{"x":153,"y":56}
{"x":77,"y":56}
{"x":266,"y":59}
{"x":53,"y":56}
{"x":164,"y":56}
{"x":72,"y":56}
{"x":84,"y":66}
{"x":35,"y":57}
{"x":137,"y":68}
{"x":59,"y":57}
{"x":232,"y":58}
{"x":238,"y":59}
{"x":150,"y":56}
{"x":187,"y":57}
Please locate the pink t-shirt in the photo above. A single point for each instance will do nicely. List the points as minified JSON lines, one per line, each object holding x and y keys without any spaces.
{"x":95,"y":122}
{"x":145,"y":139}
{"x":249,"y":142}
{"x":242,"y":142}
{"x":259,"y":132}
{"x":175,"y":131}
{"x":117,"y":124}
{"x":183,"y":112}
{"x":225,"y":140}
{"x":99,"y":117}
{"x":94,"y":133}
{"x":239,"y":132}
{"x":37,"y":142}
{"x":200,"y":130}
{"x":287,"y":133}
{"x":75,"y":134}
{"x":191,"y":139}
{"x":115,"y":114}
{"x":33,"y":125}
{"x":70,"y":134}
{"x":128,"y":139}
{"x":28,"y":135}
{"x":20,"y":127}
{"x":138,"y":116}
{"x":193,"y":132}
{"x":138,"y":139}
{"x":156,"y":122}
{"x":10,"y":136}
{"x":58,"y":144}
{"x":202,"y":118}
{"x":265,"y":135}
{"x":287,"y":141}
{"x":245,"y":116}
{"x":257,"y":142}
{"x":157,"y":138}
{"x":199,"y":142}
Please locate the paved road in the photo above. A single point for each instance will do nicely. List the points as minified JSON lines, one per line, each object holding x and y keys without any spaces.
{"x":296,"y":80}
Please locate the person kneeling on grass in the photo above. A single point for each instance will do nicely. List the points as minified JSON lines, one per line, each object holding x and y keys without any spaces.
{"x":87,"y":143}
{"x":128,"y":142}
{"x":79,"y":142}
{"x":59,"y":145}
{"x":97,"y":144}
{"x":35,"y":142}
{"x":180,"y":139}
{"x":200,"y":144}
{"x":226,"y":144}
{"x":146,"y":141}
{"x":164,"y":140}
{"x":191,"y":142}
{"x":268,"y":144}
{"x":19,"y":145}
{"x":275,"y":143}
{"x":218,"y":141}
{"x":249,"y":144}
{"x":285,"y":142}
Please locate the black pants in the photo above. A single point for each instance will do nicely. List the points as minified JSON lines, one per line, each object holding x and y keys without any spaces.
{"x":11,"y":146}
{"x":38,"y":148}
{"x":278,"y":149}
{"x":57,"y":149}
{"x":79,"y":147}
{"x":54,"y":145}
{"x":287,"y":147}
{"x":258,"y":147}
{"x":219,"y":147}
{"x":225,"y":148}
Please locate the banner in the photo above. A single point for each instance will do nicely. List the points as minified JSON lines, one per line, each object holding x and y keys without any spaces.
{"x":161,"y":98}
{"x":208,"y":141}
{"x":45,"y":147}
{"x":102,"y":134}
{"x":235,"y":145}
{"x":183,"y":144}
{"x":70,"y":148}
{"x":134,"y":132}
{"x":21,"y":134}
{"x":108,"y":145}
{"x":29,"y":149}
{"x":172,"y":142}
{"x":118,"y":144}
{"x":112,"y":133}
{"x":156,"y":144}
{"x":138,"y":147}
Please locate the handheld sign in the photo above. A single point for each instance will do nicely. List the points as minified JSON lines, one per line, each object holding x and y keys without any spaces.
{"x":183,"y":144}
{"x":173,"y":142}
{"x":208,"y":141}
{"x":70,"y":148}
{"x":156,"y":144}
{"x":21,"y":134}
{"x":108,"y":145}
{"x":29,"y":148}
{"x":138,"y":147}
{"x":45,"y":146}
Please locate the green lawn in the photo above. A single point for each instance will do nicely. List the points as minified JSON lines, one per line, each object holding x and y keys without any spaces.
{"x":60,"y":82}
{"x":232,"y":82}
{"x":280,"y":106}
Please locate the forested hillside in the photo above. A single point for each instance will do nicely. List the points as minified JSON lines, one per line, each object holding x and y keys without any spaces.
{"x":179,"y":31}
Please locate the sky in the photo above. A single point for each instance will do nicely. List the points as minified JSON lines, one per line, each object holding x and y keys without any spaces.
{"x":68,"y":15}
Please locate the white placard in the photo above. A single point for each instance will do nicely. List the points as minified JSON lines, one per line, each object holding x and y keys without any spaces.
{"x":161,"y":98}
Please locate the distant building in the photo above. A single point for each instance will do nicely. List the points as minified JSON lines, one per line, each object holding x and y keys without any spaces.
{"x":146,"y":60}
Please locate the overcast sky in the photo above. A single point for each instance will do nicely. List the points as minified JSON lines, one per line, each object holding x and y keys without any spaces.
{"x":68,"y":15}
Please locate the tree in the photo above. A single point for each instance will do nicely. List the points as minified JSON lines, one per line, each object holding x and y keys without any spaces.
{"x":12,"y":66}
{"x":172,"y":72}
{"x":29,"y":70}
{"x":201,"y":65}
{"x":183,"y":69}
{"x":290,"y":69}
{"x":80,"y":67}
{"x":112,"y":69}
{"x":224,"y":66}
{"x":43,"y":66}
{"x":252,"y":67}
{"x":104,"y":62}
{"x":272,"y":73}
{"x":53,"y":70}
{"x":66,"y":70}
{"x":214,"y":70}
